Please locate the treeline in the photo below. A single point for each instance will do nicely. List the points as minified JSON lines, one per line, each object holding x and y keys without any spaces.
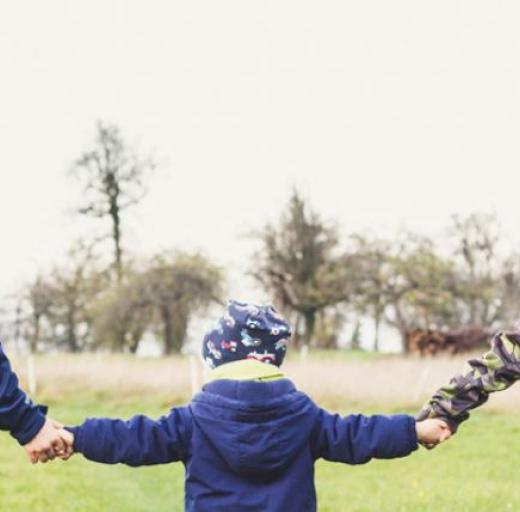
{"x":321,"y":278}
{"x":407,"y":281}
{"x":81,"y":307}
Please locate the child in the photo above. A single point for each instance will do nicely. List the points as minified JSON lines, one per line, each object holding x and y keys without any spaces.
{"x":249,"y":440}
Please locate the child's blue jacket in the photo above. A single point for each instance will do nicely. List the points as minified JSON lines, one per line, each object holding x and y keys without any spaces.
{"x":247,"y":445}
{"x":17,"y":414}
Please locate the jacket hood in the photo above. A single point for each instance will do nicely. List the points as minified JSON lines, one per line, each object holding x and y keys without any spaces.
{"x":257,"y":428}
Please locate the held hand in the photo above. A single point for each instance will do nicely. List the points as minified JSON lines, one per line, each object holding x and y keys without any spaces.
{"x":431,"y":432}
{"x":68,"y":439}
{"x":48,"y":443}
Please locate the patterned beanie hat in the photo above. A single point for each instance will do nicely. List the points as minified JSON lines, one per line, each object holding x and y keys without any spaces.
{"x":247,"y":331}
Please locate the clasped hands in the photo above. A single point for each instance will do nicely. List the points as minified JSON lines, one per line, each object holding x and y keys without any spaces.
{"x":431,"y":432}
{"x":51,"y":441}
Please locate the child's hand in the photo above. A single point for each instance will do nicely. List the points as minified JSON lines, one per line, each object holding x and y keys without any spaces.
{"x":68,"y":445}
{"x":431,"y":432}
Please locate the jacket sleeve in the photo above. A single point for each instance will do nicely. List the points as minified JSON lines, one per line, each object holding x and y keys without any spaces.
{"x":356,"y":439}
{"x":140,"y":441}
{"x":496,"y":370}
{"x":17,"y":413}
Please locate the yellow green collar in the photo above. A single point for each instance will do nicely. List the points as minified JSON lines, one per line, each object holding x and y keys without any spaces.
{"x":246,"y":369}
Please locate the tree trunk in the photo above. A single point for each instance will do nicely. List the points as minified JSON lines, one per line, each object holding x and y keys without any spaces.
{"x":72,"y":339}
{"x":297,"y":337}
{"x":355,"y":342}
{"x":180,"y":328}
{"x":167,"y":330}
{"x":116,"y":236}
{"x":377,"y":325}
{"x":35,"y":338}
{"x":402,"y":326}
{"x":135,"y":339}
{"x":309,"y":318}
{"x":113,"y":192}
{"x":134,"y":344}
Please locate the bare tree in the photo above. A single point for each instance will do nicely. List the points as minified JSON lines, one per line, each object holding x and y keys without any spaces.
{"x":418,"y":286}
{"x":477,"y":239}
{"x":300,"y":264}
{"x":39,"y":303}
{"x":122,"y":314}
{"x":372,"y":257}
{"x":72,"y":290}
{"x":177,"y":286}
{"x":510,"y":290}
{"x":113,"y":181}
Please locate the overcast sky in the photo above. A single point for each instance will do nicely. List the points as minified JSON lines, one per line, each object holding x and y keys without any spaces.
{"x":383,"y":113}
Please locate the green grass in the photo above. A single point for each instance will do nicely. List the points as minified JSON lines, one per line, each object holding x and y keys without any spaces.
{"x":471,"y":472}
{"x":476,"y":471}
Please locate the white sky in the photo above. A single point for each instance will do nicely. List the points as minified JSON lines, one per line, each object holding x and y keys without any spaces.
{"x":383,"y":113}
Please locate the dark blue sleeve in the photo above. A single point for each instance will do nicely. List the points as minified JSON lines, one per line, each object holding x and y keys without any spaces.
{"x":356,"y":439}
{"x":140,"y":441}
{"x":17,"y":413}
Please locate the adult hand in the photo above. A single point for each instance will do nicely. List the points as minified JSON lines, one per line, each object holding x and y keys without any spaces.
{"x":47,"y":444}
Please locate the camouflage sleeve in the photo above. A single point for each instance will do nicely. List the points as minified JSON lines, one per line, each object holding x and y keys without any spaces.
{"x":495,"y":371}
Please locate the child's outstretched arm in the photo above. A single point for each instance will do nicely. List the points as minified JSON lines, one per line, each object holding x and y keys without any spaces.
{"x":495,"y":371}
{"x":140,"y":441}
{"x":356,"y":439}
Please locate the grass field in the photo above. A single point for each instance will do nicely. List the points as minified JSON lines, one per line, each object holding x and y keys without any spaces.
{"x":475,"y":471}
